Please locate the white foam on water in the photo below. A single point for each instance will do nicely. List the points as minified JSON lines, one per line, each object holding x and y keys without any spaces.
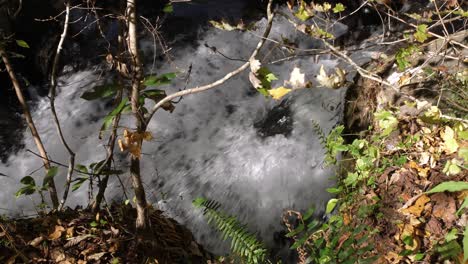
{"x":208,"y":146}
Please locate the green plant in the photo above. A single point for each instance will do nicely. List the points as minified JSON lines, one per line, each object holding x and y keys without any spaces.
{"x":243,"y":243}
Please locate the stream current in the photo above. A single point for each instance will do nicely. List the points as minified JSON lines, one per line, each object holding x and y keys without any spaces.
{"x":254,"y":155}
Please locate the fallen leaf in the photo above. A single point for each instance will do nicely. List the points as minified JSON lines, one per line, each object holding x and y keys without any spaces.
{"x":57,"y":232}
{"x":37,"y":241}
{"x":297,"y":79}
{"x":450,"y":144}
{"x":279,"y":92}
{"x":418,"y":206}
{"x":255,"y":65}
{"x":444,"y":208}
{"x":333,"y":81}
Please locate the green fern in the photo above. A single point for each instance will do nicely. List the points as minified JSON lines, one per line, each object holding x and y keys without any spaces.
{"x":243,"y":243}
{"x":318,"y":130}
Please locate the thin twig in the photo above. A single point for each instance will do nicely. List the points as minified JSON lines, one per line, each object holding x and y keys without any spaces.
{"x":228,"y":76}
{"x":53,"y":88}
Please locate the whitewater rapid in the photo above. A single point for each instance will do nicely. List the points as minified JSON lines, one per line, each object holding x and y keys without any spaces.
{"x":208,"y":147}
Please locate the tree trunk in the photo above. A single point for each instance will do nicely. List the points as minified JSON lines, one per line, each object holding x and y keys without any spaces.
{"x":142,"y":208}
{"x":32,"y":127}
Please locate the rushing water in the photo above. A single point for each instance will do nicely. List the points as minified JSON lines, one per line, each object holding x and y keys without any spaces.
{"x":218,"y":144}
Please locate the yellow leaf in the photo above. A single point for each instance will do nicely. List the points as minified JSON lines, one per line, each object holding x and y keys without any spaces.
{"x":57,"y":232}
{"x":418,"y":206}
{"x":279,"y":92}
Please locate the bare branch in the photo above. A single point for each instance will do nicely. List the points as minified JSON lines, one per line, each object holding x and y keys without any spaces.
{"x":228,"y":76}
{"x":52,"y":91}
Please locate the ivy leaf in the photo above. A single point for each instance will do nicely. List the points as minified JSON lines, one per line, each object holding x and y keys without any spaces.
{"x":279,"y":92}
{"x":449,"y":186}
{"x":421,"y":34}
{"x":22,"y":43}
{"x":339,"y":8}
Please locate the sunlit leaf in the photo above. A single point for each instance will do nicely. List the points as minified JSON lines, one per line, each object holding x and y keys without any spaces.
{"x":339,"y":8}
{"x":279,"y":92}
{"x":168,"y":8}
{"x":452,"y":167}
{"x":331,"y":205}
{"x":421,"y":34}
{"x":451,"y":145}
{"x":22,"y":43}
{"x":449,"y":186}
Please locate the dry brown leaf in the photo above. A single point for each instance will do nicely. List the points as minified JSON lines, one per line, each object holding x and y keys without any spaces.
{"x":57,"y":232}
{"x":70,"y":231}
{"x":37,"y":241}
{"x":418,"y":206}
{"x":96,"y":256}
{"x":444,"y":208}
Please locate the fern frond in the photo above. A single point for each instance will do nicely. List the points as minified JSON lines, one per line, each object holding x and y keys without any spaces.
{"x":318,"y":130}
{"x":243,"y":243}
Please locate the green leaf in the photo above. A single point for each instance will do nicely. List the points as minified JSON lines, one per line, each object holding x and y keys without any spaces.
{"x":28,"y":180}
{"x":451,"y":235}
{"x":302,"y":13}
{"x":81,"y":168}
{"x":331,"y":205}
{"x":93,"y":224}
{"x":168,"y":8}
{"x":463,"y":206}
{"x":308,"y":214}
{"x":334,"y":190}
{"x":465,"y":244}
{"x":449,"y":186}
{"x":49,"y":175}
{"x":421,"y":34}
{"x":100,"y":91}
{"x":198,"y":202}
{"x":26,"y":190}
{"x":339,"y":8}
{"x":463,"y":153}
{"x":22,"y":43}
{"x":110,"y":117}
{"x":387,"y":122}
{"x":419,"y":256}
{"x":451,"y":167}
{"x":153,"y":80}
{"x":78,"y":183}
